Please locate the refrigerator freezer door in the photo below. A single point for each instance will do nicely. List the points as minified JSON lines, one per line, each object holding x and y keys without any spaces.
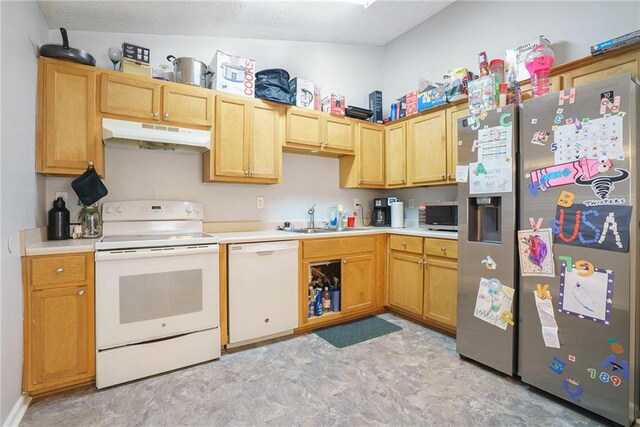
{"x":578,"y":161}
{"x":486,"y":238}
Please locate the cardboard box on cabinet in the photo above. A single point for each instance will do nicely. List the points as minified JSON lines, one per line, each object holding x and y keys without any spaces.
{"x":303,"y":93}
{"x":232,"y":74}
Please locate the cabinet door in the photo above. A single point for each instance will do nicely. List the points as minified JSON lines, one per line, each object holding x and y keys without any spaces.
{"x":427,"y":148}
{"x":60,"y":335}
{"x":371,"y":155}
{"x":395,"y":155}
{"x":555,"y":84}
{"x":232,"y":135}
{"x":358,"y":282}
{"x":131,"y":98}
{"x":453,"y":114}
{"x":68,"y":136}
{"x":304,"y":128}
{"x":441,"y":291}
{"x":626,"y":63}
{"x":265,"y":153}
{"x":338,"y":134}
{"x":187,"y":105}
{"x":406,"y":278}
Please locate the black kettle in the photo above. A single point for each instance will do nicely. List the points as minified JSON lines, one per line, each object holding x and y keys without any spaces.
{"x":59,"y":219}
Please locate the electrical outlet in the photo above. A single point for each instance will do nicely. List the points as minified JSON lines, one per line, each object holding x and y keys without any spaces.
{"x":259,"y":202}
{"x":412,"y":203}
{"x":62,"y":194}
{"x":356,"y":202}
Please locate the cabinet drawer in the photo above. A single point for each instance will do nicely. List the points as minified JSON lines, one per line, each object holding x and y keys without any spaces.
{"x":47,"y":271}
{"x":441,"y":247}
{"x":337,"y":247}
{"x":405,"y":243}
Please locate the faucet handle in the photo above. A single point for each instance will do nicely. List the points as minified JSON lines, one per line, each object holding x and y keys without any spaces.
{"x":312,"y":210}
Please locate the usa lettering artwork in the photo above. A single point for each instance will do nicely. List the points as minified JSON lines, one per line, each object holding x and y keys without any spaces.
{"x":599,"y":227}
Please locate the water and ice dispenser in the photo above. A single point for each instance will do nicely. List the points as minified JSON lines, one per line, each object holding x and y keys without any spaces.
{"x":484,"y":219}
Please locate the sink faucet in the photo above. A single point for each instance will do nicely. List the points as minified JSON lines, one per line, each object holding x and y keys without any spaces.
{"x":311,"y":213}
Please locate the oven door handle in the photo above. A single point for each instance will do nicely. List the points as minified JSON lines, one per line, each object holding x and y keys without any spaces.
{"x":154,"y":252}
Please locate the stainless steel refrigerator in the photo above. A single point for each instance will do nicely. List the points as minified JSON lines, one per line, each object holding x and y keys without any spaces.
{"x":575,"y":249}
{"x":487,"y":271}
{"x":578,"y":336}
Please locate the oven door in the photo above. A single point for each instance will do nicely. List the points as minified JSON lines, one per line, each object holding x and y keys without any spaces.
{"x":148,"y":294}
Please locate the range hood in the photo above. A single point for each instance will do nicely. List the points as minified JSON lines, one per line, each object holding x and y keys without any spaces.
{"x":121,"y":133}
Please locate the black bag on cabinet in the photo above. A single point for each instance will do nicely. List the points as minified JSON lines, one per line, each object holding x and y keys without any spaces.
{"x":273,"y":85}
{"x":89,"y":187}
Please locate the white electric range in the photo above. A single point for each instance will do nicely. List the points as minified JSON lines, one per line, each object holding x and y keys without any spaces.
{"x":157,"y":290}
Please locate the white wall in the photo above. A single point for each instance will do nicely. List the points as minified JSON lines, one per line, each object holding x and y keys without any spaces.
{"x":453,"y":37}
{"x":23,"y":29}
{"x":353,"y":71}
{"x":144,"y":174}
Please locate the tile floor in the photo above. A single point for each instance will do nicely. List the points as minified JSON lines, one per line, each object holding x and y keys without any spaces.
{"x":410,"y":377}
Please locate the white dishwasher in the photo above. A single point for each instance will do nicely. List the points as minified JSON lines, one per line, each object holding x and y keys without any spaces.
{"x":263,"y":290}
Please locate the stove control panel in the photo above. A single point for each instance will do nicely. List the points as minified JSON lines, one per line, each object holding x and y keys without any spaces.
{"x":151,"y":210}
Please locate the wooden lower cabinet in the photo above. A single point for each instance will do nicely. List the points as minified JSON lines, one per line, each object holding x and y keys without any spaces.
{"x":59,"y":325}
{"x":421,"y":285}
{"x":406,"y":273}
{"x":441,"y":290}
{"x":358,"y":273}
{"x":362,"y":271}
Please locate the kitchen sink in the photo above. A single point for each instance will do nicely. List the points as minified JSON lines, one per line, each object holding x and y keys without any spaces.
{"x":323,"y":230}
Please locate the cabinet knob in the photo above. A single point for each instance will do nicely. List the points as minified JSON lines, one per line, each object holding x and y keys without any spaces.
{"x":251,"y":173}
{"x":80,"y":293}
{"x":443,"y":249}
{"x":321,"y":143}
{"x":443,"y":176}
{"x":425,"y":262}
{"x":344,"y":261}
{"x":326,"y":143}
{"x":448,"y":176}
{"x":166,"y":115}
{"x":420,"y":262}
{"x":246,"y":173}
{"x":404,"y":244}
{"x":361,"y":180}
{"x":403,"y":180}
{"x":59,"y":270}
{"x":155,"y":115}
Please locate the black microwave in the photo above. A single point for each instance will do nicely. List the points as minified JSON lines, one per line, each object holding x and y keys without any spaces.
{"x":440,"y":215}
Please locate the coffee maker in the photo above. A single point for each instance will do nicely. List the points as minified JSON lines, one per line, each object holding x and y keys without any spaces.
{"x":382,"y":211}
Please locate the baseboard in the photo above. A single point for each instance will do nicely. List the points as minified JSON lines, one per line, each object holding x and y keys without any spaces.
{"x":18,"y":411}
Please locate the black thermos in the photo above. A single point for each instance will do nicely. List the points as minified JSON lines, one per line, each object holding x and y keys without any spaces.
{"x":58,"y":228}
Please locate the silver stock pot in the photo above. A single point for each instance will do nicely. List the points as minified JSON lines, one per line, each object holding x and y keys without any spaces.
{"x":189,"y":71}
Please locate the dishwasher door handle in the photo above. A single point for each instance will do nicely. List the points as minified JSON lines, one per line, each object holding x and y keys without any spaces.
{"x":265,"y":253}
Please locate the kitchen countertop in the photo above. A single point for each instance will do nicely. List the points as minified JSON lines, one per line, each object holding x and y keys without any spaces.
{"x":38,"y":247}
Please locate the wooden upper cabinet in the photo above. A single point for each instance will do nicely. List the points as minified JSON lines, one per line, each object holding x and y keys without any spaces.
{"x":358,"y":282}
{"x":309,"y":130}
{"x":555,"y":84}
{"x":247,"y":142}
{"x":187,"y":105}
{"x":125,"y":96}
{"x":338,"y":134}
{"x":231,"y":136}
{"x":371,"y":155}
{"x":624,"y":63}
{"x":68,"y":133}
{"x":395,"y":155}
{"x":427,"y":149}
{"x":453,"y":114}
{"x":304,"y":128}
{"x":265,"y":154}
{"x":139,"y":98}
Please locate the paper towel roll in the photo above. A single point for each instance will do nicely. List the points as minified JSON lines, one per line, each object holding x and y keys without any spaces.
{"x":397,"y":215}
